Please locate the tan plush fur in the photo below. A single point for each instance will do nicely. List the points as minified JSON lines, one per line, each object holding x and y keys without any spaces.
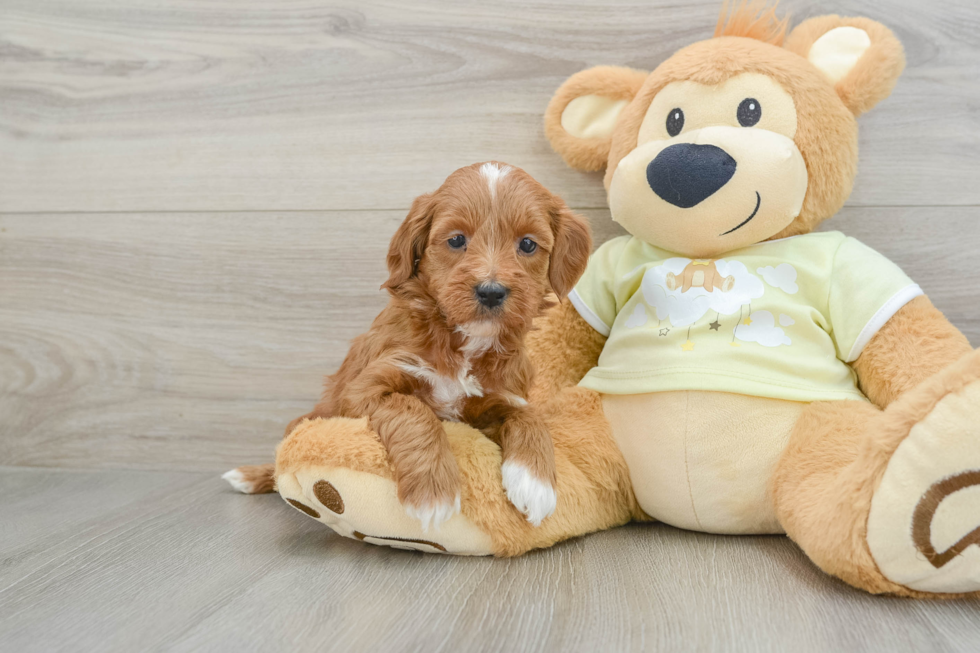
{"x":563,"y":348}
{"x":754,"y":20}
{"x":917,"y":343}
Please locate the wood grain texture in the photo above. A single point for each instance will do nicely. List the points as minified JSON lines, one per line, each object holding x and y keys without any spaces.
{"x":184,"y":564}
{"x":198,"y":105}
{"x":186,"y":341}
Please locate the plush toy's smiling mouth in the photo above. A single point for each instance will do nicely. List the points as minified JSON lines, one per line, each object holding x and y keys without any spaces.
{"x":758,"y":201}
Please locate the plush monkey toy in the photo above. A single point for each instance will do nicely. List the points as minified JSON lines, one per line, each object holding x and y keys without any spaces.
{"x":723,"y":368}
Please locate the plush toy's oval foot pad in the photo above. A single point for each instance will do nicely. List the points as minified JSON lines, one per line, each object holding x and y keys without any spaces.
{"x":365,"y":507}
{"x":302,"y":507}
{"x":329,"y":496}
{"x":924,"y":522}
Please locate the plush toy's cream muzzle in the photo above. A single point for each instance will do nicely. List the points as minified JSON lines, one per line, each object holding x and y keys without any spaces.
{"x":709,"y":190}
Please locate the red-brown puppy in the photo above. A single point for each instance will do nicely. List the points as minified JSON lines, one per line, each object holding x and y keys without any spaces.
{"x":470,"y":268}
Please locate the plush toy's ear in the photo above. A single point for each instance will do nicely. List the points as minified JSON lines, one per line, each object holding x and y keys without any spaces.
{"x":860,"y":57}
{"x":582,"y":114}
{"x":408,"y":243}
{"x":570,"y":253}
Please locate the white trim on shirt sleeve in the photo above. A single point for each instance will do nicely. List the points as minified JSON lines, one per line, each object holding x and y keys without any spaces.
{"x":590,"y":316}
{"x":878,"y":320}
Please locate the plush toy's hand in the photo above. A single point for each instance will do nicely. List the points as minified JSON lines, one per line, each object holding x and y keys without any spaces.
{"x":563,"y":348}
{"x":915,"y":344}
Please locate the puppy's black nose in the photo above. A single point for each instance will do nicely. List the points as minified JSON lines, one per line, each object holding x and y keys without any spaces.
{"x":491,"y":293}
{"x":686,"y":174}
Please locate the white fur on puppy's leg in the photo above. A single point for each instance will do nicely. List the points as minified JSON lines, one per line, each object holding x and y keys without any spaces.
{"x":435,"y":514}
{"x":237,"y":481}
{"x":530,"y":495}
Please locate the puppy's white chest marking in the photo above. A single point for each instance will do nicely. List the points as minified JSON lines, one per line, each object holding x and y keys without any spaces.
{"x":448,"y":392}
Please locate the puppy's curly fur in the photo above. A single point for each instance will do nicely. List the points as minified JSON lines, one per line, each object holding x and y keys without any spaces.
{"x":437,"y":352}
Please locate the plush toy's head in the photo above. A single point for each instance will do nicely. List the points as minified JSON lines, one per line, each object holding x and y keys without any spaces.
{"x":734,"y":140}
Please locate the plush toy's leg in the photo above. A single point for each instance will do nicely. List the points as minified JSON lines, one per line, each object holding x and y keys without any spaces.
{"x":889,"y":501}
{"x":337,"y":472}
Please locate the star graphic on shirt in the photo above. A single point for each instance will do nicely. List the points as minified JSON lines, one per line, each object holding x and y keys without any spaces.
{"x":664,"y":331}
{"x":747,"y":321}
{"x":714,"y":326}
{"x":687,"y":346}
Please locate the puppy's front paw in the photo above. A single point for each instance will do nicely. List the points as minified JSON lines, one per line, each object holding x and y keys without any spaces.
{"x":431,"y":494}
{"x":434,"y":512}
{"x":532,"y":496}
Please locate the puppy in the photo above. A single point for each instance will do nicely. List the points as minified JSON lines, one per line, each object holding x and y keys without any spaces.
{"x":470,"y":267}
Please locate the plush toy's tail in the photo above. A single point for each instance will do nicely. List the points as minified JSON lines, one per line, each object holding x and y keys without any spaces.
{"x":252,"y":479}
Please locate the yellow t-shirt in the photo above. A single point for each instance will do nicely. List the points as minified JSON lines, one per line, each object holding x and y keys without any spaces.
{"x":777,"y":319}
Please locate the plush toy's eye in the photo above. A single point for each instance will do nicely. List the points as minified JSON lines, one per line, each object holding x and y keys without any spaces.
{"x":675,"y":122}
{"x":527,"y":246}
{"x":749,"y":112}
{"x":457,"y":242}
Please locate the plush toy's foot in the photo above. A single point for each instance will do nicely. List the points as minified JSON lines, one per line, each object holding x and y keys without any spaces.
{"x":889,"y":501}
{"x":923,"y":527}
{"x":365,"y":507}
{"x":337,"y":472}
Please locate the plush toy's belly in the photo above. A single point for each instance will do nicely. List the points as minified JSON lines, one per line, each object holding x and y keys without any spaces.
{"x":703,"y":460}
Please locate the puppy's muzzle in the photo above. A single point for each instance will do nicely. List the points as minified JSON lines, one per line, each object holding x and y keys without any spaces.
{"x":491,"y":294}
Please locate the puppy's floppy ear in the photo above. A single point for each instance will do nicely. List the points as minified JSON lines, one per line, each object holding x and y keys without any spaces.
{"x":582,"y":115}
{"x":408,"y":243}
{"x":571,"y":249}
{"x":860,"y":57}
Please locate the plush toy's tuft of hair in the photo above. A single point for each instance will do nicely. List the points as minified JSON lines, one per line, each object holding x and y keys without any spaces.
{"x":753,"y":19}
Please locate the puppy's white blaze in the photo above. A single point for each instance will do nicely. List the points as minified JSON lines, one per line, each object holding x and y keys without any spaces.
{"x":493,"y":174}
{"x":434,"y":514}
{"x":237,"y":481}
{"x":535,"y":498}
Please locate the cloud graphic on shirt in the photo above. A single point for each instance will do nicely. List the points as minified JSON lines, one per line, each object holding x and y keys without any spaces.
{"x":684,"y":308}
{"x":638,"y":318}
{"x":763,"y":330}
{"x":783,"y":276}
{"x":786,"y":320}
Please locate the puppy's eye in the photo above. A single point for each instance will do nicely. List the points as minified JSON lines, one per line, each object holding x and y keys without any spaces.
{"x":749,"y":112}
{"x":527,"y":246}
{"x":675,"y":122}
{"x":457,"y":242}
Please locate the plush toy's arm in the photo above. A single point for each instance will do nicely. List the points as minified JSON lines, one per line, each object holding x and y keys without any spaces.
{"x":917,"y":342}
{"x":563,"y":348}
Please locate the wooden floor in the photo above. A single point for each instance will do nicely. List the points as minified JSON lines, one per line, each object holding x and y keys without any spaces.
{"x":195,"y":202}
{"x":144,"y":561}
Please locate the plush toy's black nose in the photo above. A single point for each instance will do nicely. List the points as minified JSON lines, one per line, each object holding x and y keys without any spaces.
{"x":491,"y":294}
{"x":686,"y":174}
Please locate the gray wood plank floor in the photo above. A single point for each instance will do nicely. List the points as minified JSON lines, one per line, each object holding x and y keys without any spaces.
{"x":195,"y":202}
{"x":175,"y":561}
